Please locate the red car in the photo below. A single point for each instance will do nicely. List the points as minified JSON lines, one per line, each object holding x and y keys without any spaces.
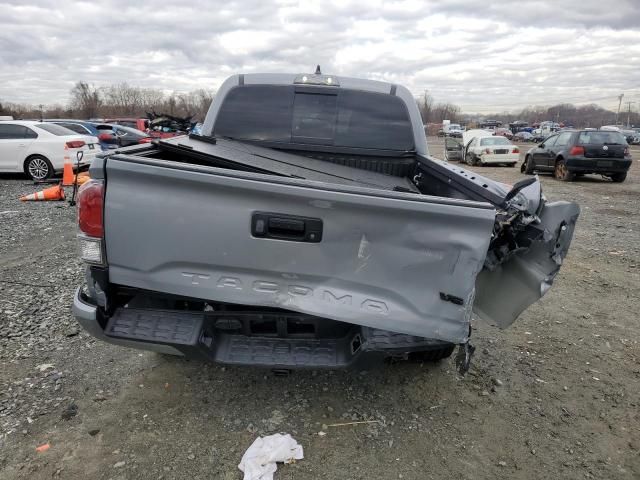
{"x":504,"y":132}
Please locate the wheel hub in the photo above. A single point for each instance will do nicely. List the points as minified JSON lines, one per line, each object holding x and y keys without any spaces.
{"x":38,"y":168}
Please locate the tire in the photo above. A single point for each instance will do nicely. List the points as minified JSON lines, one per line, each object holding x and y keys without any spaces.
{"x":468,"y":159}
{"x":561,"y":172}
{"x":526,"y":167}
{"x":619,"y":177}
{"x":433,"y":355}
{"x":473,"y":160}
{"x":38,"y":167}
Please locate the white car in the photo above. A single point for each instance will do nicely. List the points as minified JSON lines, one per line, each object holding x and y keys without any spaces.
{"x":38,"y":149}
{"x":482,"y":148}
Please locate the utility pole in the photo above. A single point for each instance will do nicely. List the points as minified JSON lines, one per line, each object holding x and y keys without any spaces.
{"x":619,"y":104}
{"x":629,"y":113}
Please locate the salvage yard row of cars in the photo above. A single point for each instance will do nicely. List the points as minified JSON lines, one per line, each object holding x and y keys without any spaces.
{"x":567,"y":154}
{"x":39,"y":148}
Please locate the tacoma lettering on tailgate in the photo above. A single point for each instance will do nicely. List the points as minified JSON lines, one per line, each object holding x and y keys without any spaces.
{"x":371,"y":305}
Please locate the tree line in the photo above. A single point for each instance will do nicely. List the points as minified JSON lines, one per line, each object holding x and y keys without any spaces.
{"x":579,"y":116}
{"x":123,"y":100}
{"x":120,"y":100}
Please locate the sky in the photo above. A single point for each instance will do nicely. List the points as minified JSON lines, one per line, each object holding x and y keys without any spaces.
{"x":485,"y":56}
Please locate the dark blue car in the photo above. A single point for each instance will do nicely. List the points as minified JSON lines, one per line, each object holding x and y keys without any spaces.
{"x":107,"y":140}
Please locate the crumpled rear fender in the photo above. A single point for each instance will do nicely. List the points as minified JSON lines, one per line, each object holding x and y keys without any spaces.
{"x":503,"y":293}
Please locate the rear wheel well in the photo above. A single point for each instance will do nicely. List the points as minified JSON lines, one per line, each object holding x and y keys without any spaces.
{"x":26,"y":161}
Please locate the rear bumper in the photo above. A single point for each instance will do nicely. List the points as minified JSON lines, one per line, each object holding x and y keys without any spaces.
{"x":502,"y":158}
{"x":598,"y":165}
{"x":191,"y":334}
{"x":87,"y":316}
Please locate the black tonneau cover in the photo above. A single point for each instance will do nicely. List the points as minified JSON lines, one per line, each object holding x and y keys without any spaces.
{"x":226,"y":153}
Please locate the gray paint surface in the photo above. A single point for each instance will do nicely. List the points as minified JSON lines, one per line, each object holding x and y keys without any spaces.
{"x":382,"y":261}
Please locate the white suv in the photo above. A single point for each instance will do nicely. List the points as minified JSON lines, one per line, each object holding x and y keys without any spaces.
{"x":38,"y":149}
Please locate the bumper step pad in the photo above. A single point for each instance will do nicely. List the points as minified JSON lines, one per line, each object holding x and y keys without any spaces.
{"x":156,"y":326}
{"x":272,"y":352}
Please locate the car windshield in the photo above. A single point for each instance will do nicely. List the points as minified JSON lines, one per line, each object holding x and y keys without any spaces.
{"x":600,"y":138}
{"x":485,"y":142}
{"x":55,"y":129}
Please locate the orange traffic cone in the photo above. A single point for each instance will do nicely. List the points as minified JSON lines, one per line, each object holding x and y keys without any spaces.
{"x":67,"y":175}
{"x":51,"y":193}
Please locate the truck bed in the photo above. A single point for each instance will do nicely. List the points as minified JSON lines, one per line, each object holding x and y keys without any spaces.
{"x":242,"y":156}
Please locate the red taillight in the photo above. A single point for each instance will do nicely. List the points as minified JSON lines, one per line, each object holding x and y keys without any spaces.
{"x":487,"y":151}
{"x":576,"y":151}
{"x":626,"y":151}
{"x":76,"y":144}
{"x":105,"y":137}
{"x":145,"y":140}
{"x":515,"y":150}
{"x":90,"y":203}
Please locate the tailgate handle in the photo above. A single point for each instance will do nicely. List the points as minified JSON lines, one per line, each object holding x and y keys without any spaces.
{"x":286,"y":227}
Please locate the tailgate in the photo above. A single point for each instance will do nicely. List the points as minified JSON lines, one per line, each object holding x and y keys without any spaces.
{"x":390,"y":260}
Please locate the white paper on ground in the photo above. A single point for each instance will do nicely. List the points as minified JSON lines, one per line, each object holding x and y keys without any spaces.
{"x":259,"y":461}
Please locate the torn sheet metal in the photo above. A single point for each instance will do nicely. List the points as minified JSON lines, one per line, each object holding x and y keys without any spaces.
{"x":503,"y":293}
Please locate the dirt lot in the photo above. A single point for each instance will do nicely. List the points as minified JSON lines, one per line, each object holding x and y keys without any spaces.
{"x":555,"y":396}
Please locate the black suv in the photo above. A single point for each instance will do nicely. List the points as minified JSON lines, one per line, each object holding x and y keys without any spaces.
{"x":579,"y":152}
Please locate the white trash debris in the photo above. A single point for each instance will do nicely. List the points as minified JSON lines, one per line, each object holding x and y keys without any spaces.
{"x":259,"y":461}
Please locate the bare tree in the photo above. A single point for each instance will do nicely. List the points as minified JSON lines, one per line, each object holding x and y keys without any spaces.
{"x":85,"y":99}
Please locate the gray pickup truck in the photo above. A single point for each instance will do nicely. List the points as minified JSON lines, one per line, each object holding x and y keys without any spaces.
{"x":308,"y":226}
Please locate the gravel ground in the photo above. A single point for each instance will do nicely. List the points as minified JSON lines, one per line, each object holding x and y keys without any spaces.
{"x":555,"y":396}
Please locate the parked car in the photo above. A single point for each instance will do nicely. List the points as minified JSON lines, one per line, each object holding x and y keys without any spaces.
{"x":126,"y":136}
{"x":84,"y":128}
{"x":523,"y":136}
{"x":630,"y":135}
{"x":452,"y":130}
{"x":141,"y":124}
{"x":482,"y":148}
{"x":38,"y":148}
{"x":503,"y":132}
{"x":581,"y":152}
{"x":308,"y":227}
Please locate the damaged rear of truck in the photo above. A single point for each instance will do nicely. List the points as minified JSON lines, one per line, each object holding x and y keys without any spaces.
{"x":308,"y":226}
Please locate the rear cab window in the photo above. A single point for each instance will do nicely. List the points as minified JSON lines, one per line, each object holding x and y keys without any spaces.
{"x":601,"y":138}
{"x":337,"y":117}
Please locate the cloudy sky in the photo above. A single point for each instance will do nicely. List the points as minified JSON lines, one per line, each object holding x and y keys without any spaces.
{"x":483,"y":55}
